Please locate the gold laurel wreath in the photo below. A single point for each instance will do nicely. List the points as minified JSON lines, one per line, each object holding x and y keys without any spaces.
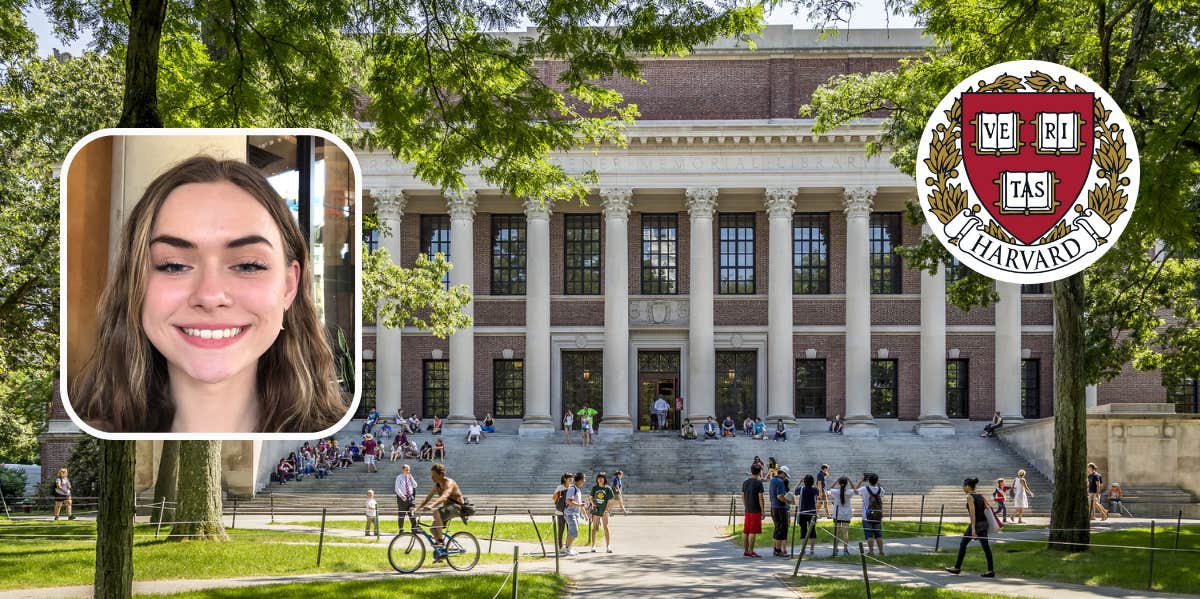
{"x":1108,"y":199}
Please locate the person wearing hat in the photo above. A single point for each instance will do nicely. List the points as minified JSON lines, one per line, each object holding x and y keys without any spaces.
{"x":368,"y":452}
{"x":781,"y":499}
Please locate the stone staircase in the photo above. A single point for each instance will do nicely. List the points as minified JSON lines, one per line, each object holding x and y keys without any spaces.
{"x":666,"y":475}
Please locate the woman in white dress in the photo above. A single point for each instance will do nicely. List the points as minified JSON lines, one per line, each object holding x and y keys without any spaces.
{"x":1021,"y":495}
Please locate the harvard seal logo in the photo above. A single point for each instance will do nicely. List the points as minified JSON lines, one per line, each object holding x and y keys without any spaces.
{"x":1027,"y":172}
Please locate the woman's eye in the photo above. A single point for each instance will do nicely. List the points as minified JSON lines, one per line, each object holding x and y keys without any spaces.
{"x":250,"y":267}
{"x":171,"y":267}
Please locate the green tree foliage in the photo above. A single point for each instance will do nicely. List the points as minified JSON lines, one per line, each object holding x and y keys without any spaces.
{"x":83,"y":468}
{"x":12,"y":483}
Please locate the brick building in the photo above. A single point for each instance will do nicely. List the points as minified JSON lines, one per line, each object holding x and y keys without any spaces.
{"x":667,"y":281}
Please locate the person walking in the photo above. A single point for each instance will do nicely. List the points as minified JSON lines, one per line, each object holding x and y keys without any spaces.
{"x":1020,"y":494}
{"x":806,"y":512}
{"x":576,"y":500}
{"x":62,"y":494}
{"x":872,"y":511}
{"x":1095,"y":486}
{"x":368,"y":452}
{"x":585,"y":425}
{"x":822,"y":487}
{"x":406,"y":497}
{"x":659,"y":410}
{"x":618,"y":486}
{"x":602,"y":494}
{"x":568,"y":422}
{"x":840,"y":496}
{"x":752,"y":503}
{"x":780,"y":504}
{"x":372,"y":514}
{"x":560,"y":507}
{"x":977,"y":528}
{"x":999,"y":495}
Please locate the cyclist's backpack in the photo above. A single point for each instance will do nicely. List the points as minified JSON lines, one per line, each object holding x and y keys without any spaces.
{"x":875,"y":506}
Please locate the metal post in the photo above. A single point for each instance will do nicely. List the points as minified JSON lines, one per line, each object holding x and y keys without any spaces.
{"x":1178,"y":521}
{"x":937,"y":545}
{"x":492,"y":535}
{"x":732,"y":501}
{"x":892,"y":507}
{"x":867,"y":581}
{"x":538,"y":531}
{"x":272,"y":508}
{"x":557,"y":548}
{"x":235,"y":502}
{"x":162,"y":507}
{"x":321,"y":540}
{"x":921,"y":516}
{"x":792,"y":536}
{"x":516,"y":560}
{"x":1150,"y":579}
{"x":812,"y":526}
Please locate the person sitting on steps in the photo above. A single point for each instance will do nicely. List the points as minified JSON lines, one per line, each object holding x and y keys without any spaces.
{"x":688,"y":431}
{"x":990,"y":429}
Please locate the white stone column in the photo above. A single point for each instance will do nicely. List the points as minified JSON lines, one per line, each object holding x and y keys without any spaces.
{"x":1008,"y":351}
{"x":781,"y":374}
{"x":702,"y":353}
{"x":389,"y":207}
{"x":857,"y":202}
{"x":616,"y":420}
{"x":537,"y":319}
{"x":933,"y":420}
{"x":1091,"y":396}
{"x":461,"y":205}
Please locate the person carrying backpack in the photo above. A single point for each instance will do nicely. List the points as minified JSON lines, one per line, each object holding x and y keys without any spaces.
{"x":560,"y":507}
{"x":872,"y":511}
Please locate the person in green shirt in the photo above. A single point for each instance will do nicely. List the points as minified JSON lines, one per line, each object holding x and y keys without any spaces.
{"x":602,"y":494}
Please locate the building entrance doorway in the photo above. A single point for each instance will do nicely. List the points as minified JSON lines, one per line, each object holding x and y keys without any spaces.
{"x":658,"y":376}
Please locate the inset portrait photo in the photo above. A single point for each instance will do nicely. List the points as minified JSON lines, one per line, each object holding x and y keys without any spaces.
{"x":210,"y":283}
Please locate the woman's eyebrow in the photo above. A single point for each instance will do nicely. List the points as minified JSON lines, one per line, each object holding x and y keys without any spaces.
{"x":247,"y":240}
{"x":182,"y":243}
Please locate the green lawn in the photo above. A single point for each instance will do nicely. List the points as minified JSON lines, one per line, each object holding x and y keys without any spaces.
{"x":891,"y":529}
{"x":814,"y":587}
{"x":481,"y":527}
{"x":532,"y":586}
{"x":1128,"y":568}
{"x":26,"y":560}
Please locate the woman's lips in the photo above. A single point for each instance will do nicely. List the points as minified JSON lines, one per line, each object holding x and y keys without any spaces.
{"x":212,"y":337}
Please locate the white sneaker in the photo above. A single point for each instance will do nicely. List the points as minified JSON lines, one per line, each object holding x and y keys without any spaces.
{"x":572,"y":552}
{"x":608,"y":549}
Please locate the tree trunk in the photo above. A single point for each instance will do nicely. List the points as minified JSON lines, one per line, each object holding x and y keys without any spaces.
{"x":141,"y":64}
{"x":1069,"y":521}
{"x":166,"y":481}
{"x":198,"y":512}
{"x":114,"y":521}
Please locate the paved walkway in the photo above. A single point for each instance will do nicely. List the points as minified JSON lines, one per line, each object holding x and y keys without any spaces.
{"x":684,"y":557}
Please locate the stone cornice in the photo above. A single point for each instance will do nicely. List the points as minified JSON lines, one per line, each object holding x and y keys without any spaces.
{"x":781,"y":201}
{"x":617,"y":201}
{"x":858,"y":200}
{"x":702,"y":201}
{"x":461,"y":203}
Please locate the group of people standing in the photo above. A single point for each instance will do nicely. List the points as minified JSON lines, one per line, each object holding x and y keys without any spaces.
{"x":574,"y":506}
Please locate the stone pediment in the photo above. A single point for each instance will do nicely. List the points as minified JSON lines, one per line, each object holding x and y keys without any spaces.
{"x":658,"y":311}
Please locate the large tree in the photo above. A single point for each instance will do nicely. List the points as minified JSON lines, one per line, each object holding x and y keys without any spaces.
{"x":1142,"y":305}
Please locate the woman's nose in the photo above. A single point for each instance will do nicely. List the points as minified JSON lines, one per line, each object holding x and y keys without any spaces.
{"x":211,"y":290}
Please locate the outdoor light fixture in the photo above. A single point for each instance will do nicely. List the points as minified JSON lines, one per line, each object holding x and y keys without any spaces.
{"x":1026,"y":353}
{"x":506,"y":353}
{"x":883,"y":353}
{"x":810,"y":353}
{"x":437,"y":354}
{"x":953,"y":353}
{"x":587,"y":375}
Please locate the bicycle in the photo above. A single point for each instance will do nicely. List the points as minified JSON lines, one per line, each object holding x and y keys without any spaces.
{"x":406,"y":552}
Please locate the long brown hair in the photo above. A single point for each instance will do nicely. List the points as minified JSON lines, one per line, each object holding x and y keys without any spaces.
{"x":123,"y":387}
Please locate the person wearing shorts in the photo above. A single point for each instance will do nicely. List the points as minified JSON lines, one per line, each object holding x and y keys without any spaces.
{"x":445,"y":499}
{"x":576,"y":501}
{"x":602,"y":495}
{"x":872,"y":519}
{"x":752,"y":501}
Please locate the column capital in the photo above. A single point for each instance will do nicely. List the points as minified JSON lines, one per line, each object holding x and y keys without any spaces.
{"x":461,"y":203}
{"x":537,"y":209}
{"x":781,"y":202}
{"x":702,"y":201}
{"x":389,"y":203}
{"x":617,"y":201}
{"x":858,"y":200}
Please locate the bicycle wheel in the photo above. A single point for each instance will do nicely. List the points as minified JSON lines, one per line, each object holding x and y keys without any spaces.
{"x":406,"y":552}
{"x":462,"y":551}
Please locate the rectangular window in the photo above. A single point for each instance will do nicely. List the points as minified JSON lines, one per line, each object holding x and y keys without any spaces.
{"x":368,"y":389}
{"x":1033,"y":288}
{"x":508,"y":254}
{"x":1031,"y":388}
{"x":660,"y":252}
{"x":885,"y":262}
{"x":957,"y":385}
{"x":735,"y":385}
{"x":1186,"y":397}
{"x":736,"y":253}
{"x":885,"y":387}
{"x":435,"y":388}
{"x":508,"y":388}
{"x":955,"y":271}
{"x":371,"y":240}
{"x":810,"y":389}
{"x":581,"y":259}
{"x":810,"y":254}
{"x":435,"y":238}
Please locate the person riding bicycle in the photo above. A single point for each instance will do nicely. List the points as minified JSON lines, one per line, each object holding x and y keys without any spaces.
{"x":448,"y":501}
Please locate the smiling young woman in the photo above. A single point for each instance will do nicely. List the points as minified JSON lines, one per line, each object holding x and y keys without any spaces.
{"x":207,"y":324}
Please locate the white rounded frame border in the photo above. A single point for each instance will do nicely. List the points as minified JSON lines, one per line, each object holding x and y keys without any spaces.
{"x":1022,"y":68}
{"x":62,"y":301}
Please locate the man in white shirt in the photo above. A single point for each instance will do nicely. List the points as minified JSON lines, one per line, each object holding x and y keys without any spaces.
{"x":660,"y":409}
{"x":406,"y":489}
{"x":474,"y":432}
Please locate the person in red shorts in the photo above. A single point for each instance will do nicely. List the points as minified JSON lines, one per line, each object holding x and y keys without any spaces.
{"x":752,"y":498}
